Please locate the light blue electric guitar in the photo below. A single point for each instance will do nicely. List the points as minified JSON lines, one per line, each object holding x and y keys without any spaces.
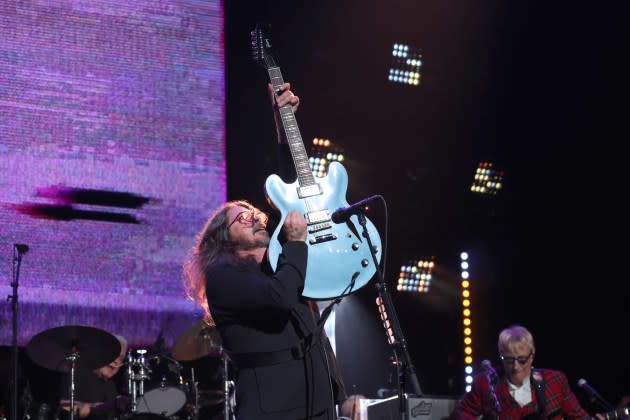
{"x":339,"y":258}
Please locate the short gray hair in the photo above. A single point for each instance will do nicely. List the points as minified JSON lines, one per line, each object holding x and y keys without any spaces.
{"x":513,"y":336}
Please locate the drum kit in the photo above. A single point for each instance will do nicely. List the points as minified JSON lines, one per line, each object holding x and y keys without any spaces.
{"x":190,"y":383}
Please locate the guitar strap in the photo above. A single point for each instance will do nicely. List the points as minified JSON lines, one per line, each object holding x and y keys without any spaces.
{"x":326,"y":313}
{"x":319,"y":324}
{"x":539,"y":387}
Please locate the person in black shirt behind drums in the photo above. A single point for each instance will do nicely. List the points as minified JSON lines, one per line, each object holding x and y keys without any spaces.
{"x":96,"y":394}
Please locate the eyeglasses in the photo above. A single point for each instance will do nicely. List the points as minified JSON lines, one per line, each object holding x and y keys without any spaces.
{"x":248,"y":217}
{"x":521,"y":359}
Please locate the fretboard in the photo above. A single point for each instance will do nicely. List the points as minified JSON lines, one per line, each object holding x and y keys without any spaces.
{"x":292,"y":131}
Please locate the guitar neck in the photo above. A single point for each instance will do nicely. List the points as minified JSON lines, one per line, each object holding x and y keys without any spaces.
{"x":292,"y":132}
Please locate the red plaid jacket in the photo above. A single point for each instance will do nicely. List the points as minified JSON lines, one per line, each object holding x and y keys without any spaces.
{"x":560,"y":402}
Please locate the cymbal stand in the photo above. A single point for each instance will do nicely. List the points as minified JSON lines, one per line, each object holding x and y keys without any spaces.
{"x":228,"y":407}
{"x":73,"y":361}
{"x":131,"y":384}
{"x":195,"y":390}
{"x":142,"y":374}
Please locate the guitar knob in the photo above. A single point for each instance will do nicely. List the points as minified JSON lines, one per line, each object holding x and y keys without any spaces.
{"x":355,"y":246}
{"x":364,"y":262}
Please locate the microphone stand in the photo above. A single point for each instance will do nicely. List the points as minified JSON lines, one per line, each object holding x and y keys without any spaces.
{"x":492,"y":380}
{"x":18,"y":252}
{"x":404,"y":366}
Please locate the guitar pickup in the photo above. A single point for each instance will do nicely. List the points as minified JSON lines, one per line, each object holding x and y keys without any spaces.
{"x":309,"y":191}
{"x":322,"y":238}
{"x":318,"y":227}
{"x":319,"y":216}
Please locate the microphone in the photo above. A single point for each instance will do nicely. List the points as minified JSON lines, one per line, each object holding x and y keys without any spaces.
{"x":594,"y":395}
{"x":21,"y":248}
{"x":342,"y":214}
{"x":487,"y":367}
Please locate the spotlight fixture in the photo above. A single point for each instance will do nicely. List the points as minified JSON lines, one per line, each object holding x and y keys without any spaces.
{"x":406,"y":63}
{"x":416,"y":276}
{"x":466,"y":319}
{"x":324,"y":151}
{"x":488,"y":180}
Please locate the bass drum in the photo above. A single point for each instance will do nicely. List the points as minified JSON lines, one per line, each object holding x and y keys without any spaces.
{"x":164,"y":391}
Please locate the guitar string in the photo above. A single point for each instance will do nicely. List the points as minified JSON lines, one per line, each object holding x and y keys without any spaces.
{"x":289,"y":121}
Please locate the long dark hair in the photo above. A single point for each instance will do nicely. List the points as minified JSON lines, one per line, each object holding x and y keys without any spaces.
{"x":212,"y":246}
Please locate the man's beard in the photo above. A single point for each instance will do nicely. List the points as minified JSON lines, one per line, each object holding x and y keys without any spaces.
{"x":260,"y":241}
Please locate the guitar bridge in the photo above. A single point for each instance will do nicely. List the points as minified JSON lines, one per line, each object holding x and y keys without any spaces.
{"x":322,"y":238}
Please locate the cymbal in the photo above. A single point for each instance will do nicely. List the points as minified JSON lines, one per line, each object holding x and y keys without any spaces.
{"x":51,"y":348}
{"x":197,"y":341}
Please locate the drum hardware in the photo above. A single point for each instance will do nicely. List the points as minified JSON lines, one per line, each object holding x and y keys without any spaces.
{"x":201,"y":344}
{"x":136,"y":377}
{"x":63,"y":349}
{"x":228,"y":389}
{"x":195,"y":390}
{"x":73,"y":362}
{"x":144,"y":373}
{"x":155,"y":384}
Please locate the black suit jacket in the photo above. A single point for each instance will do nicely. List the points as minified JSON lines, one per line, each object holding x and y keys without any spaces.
{"x":259,"y":312}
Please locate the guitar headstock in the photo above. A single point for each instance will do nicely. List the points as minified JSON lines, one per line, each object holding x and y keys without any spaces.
{"x":261,"y":46}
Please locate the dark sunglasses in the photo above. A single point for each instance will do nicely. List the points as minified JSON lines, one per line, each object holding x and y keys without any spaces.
{"x":521,"y":359}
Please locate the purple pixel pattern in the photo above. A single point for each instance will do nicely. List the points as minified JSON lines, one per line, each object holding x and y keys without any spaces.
{"x":114,"y":96}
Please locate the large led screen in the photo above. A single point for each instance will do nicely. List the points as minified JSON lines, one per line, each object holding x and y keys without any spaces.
{"x":111,"y":157}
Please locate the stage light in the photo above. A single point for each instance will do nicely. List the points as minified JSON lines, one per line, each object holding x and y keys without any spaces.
{"x":416,"y":276}
{"x":324,"y":151}
{"x":389,"y":332}
{"x":466,"y":319}
{"x":487,"y":179}
{"x":406,"y":64}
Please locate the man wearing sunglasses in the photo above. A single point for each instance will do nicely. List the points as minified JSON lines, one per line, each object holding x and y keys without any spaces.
{"x":285,"y":368}
{"x":516,"y":390}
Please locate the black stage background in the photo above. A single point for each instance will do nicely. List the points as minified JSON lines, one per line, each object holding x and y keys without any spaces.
{"x":532,"y":86}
